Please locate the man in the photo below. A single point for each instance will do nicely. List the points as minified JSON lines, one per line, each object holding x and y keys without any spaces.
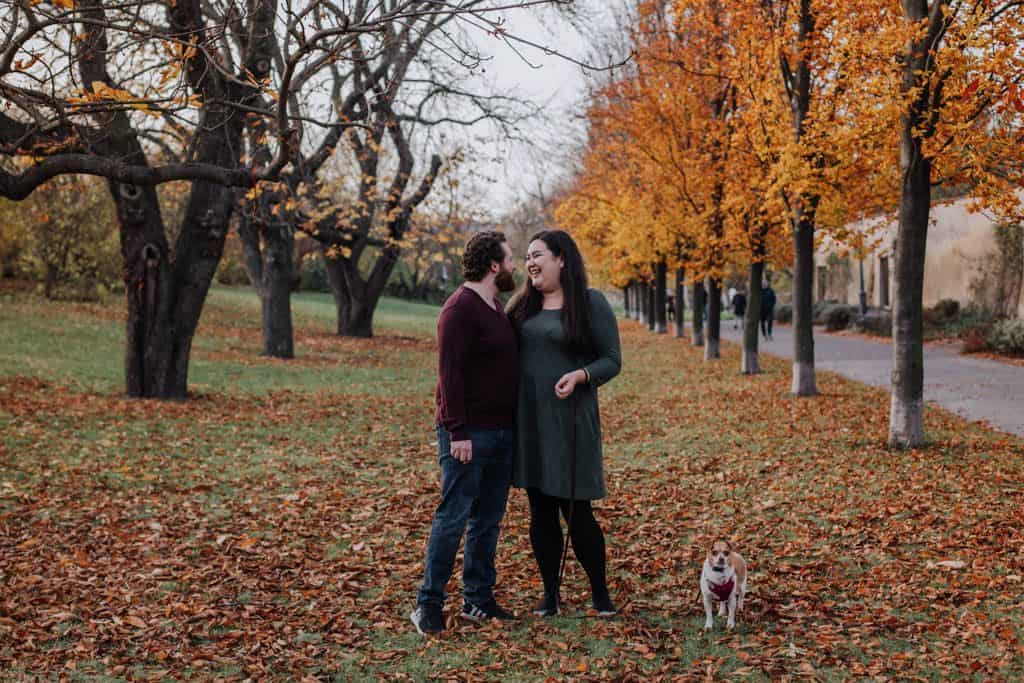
{"x":767,"y":310}
{"x":476,"y":396}
{"x":739,"y":309}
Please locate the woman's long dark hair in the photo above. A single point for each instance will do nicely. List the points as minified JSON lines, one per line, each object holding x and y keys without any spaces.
{"x":576,"y":307}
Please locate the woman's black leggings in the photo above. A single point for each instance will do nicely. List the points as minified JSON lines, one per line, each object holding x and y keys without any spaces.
{"x":546,"y":539}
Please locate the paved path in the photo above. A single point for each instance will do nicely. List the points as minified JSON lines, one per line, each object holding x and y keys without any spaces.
{"x":975,"y":388}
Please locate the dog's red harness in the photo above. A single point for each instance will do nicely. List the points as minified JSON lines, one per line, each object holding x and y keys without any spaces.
{"x":722,"y":591}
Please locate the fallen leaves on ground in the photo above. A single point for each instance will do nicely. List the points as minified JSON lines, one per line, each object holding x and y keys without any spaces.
{"x":282,"y":536}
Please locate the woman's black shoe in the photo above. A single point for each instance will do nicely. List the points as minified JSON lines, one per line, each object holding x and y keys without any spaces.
{"x":547,"y":607}
{"x":603,"y":606}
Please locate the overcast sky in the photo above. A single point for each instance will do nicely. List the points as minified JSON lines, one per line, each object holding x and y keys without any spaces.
{"x":508,"y":170}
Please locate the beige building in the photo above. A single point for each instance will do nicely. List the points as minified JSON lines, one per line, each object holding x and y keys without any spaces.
{"x":969,"y":258}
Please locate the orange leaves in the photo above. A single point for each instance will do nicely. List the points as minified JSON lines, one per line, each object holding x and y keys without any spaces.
{"x":22,"y":65}
{"x":100,"y":92}
{"x":697,"y":146}
{"x":970,"y":89}
{"x":280,"y":535}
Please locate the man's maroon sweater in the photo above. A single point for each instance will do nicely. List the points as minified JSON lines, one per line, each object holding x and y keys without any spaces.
{"x":478,"y":369}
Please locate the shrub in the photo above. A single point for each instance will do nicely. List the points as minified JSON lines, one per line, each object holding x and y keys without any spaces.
{"x":784,"y":313}
{"x":839,"y":317}
{"x":313,"y":274}
{"x":876,"y":321}
{"x":12,"y":237}
{"x":1007,"y":336}
{"x":820,"y":308}
{"x":973,"y":340}
{"x":72,"y":244}
{"x":942,"y":313}
{"x":231,"y":271}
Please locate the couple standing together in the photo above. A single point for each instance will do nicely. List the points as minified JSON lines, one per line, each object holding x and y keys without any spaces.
{"x":517,"y":405}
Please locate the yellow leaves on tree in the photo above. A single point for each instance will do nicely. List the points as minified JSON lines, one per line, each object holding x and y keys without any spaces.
{"x":693,"y":156}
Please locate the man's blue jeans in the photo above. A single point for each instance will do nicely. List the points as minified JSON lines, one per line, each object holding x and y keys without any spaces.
{"x":473,"y":497}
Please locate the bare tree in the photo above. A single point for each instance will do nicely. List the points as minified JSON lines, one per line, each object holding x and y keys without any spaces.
{"x":144,"y":93}
{"x":408,"y":86}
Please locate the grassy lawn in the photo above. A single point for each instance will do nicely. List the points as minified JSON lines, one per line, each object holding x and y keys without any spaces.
{"x":273,"y":526}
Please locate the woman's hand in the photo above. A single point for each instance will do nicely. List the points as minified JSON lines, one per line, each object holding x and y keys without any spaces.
{"x":566,"y":385}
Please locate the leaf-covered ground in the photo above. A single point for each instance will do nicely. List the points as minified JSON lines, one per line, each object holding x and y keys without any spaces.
{"x":274,"y":526}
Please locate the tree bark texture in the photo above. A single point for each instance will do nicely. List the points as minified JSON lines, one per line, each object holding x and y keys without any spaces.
{"x":751,"y":363}
{"x":714,"y":304}
{"x":660,"y":299}
{"x":917,"y":124}
{"x":355,"y":298}
{"x":804,"y":379}
{"x":680,"y":303}
{"x":697,"y":338}
{"x":798,"y":85}
{"x":652,"y":306}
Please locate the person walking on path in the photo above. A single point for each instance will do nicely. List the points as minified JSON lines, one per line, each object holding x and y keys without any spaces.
{"x":767,"y":310}
{"x":569,"y":346}
{"x":739,"y":309}
{"x":478,"y":374}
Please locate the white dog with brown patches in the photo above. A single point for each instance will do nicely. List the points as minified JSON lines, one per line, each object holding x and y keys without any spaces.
{"x":724,"y":578}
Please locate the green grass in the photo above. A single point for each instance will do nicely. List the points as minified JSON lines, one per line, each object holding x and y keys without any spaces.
{"x":59,"y":343}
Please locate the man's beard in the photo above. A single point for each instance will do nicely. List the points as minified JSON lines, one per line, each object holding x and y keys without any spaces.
{"x":504,"y":281}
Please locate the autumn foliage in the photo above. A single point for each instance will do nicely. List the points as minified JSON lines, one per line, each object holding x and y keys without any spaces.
{"x":748,"y":131}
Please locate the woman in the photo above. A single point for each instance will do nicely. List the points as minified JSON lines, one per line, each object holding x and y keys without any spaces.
{"x":569,"y":346}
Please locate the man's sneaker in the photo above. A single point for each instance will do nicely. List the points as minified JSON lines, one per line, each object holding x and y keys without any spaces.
{"x":485,"y":610}
{"x":604,"y":606}
{"x":547,"y":607}
{"x":427,"y":620}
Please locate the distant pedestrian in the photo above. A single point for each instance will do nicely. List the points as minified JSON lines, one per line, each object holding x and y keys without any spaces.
{"x":739,"y":308}
{"x":767,"y":310}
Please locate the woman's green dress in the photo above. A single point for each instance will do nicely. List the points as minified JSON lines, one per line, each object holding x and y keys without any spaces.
{"x":544,"y":421}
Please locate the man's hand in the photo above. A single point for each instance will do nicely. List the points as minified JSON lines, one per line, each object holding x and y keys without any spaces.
{"x":462,"y":451}
{"x":566,"y":385}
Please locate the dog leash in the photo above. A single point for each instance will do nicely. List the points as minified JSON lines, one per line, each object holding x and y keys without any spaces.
{"x":572,"y":495}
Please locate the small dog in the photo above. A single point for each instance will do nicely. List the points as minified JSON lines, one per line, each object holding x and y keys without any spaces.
{"x":724,"y":578}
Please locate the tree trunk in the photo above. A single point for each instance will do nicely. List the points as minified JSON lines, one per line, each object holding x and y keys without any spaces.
{"x":268,"y":254}
{"x":804,"y":208}
{"x":625,"y":301}
{"x":644,"y":303}
{"x":804,"y":380}
{"x":652,"y":305}
{"x":252,"y":251}
{"x":356,"y":299}
{"x":883,"y":282}
{"x":680,"y":303}
{"x":50,"y":281}
{"x":660,"y":303}
{"x":279,"y":247}
{"x":697,"y":338}
{"x":197,"y":254}
{"x":149,"y":292}
{"x":906,"y":414}
{"x":644,"y":306}
{"x":714,"y":303}
{"x":751,"y":364}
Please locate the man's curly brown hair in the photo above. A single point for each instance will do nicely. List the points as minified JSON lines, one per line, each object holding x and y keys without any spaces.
{"x":483,"y":249}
